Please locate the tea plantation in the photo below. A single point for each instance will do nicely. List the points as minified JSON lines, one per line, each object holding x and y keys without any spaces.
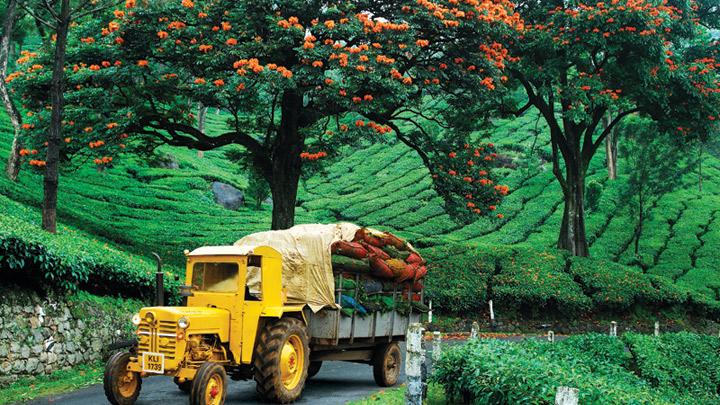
{"x":119,"y":216}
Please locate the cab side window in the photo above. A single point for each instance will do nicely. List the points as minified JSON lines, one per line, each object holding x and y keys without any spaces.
{"x":253,"y":287}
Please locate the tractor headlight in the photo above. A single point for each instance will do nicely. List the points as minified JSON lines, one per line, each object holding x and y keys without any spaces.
{"x":136,"y":319}
{"x":183,"y":323}
{"x":149,"y":317}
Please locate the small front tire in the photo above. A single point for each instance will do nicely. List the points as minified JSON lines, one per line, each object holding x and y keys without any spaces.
{"x":184,"y":386}
{"x":209,"y":387}
{"x":386,"y":364}
{"x":122,"y":387}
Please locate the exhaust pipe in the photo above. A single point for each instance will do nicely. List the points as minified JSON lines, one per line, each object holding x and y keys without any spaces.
{"x":159,"y":282}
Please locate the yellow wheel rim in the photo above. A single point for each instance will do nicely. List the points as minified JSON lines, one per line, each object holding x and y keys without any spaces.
{"x":292,"y":362}
{"x":127,"y":384}
{"x":214,"y":390}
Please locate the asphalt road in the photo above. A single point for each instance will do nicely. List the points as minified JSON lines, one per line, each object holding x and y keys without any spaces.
{"x":336,"y":383}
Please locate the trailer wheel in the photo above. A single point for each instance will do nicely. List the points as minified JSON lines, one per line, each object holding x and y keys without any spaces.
{"x":209,"y":387}
{"x":386,"y":364}
{"x":281,"y":360}
{"x":314,"y":368}
{"x":121,"y":386}
{"x":184,"y":386}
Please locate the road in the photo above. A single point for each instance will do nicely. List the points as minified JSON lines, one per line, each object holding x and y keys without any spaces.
{"x":336,"y":383}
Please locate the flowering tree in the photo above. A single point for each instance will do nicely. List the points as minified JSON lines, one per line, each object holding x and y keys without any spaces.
{"x":582,"y":61}
{"x":298,"y":78}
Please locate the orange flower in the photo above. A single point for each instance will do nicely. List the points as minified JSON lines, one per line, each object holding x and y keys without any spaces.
{"x":199,"y":80}
{"x":329,"y":81}
{"x":129,"y":3}
{"x":94,"y":67}
{"x":119,"y":13}
{"x":317,"y":64}
{"x":142,"y":63}
{"x":188,"y":3}
{"x":231,"y":42}
{"x":162,"y":34}
{"x":219,"y":83}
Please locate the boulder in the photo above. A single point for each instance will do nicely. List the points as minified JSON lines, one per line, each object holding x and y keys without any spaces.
{"x":227,"y":195}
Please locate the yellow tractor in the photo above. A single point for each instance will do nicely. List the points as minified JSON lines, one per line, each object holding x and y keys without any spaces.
{"x":237,"y":322}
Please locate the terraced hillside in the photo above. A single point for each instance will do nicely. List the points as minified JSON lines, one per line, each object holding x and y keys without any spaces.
{"x":141,"y":207}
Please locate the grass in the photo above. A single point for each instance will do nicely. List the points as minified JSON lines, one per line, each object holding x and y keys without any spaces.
{"x":59,"y":382}
{"x":396,"y":396}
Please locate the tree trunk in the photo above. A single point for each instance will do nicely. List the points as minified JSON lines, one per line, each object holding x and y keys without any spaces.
{"x":57,"y":87}
{"x":13,"y":164}
{"x":572,"y":230}
{"x":202,"y":113}
{"x":611,"y":150}
{"x":286,"y":162}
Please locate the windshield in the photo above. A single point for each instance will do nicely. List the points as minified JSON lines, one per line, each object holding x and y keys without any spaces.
{"x":216,"y":277}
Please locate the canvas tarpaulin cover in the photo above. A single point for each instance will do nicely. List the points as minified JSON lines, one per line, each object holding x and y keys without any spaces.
{"x":306,"y":260}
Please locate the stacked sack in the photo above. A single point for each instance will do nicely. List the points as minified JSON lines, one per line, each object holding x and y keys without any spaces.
{"x":382,"y":257}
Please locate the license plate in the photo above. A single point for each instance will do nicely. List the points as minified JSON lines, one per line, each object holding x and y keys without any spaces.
{"x":153,"y":363}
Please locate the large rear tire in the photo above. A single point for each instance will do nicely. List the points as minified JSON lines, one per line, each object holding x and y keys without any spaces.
{"x":209,"y":387}
{"x":281,"y":362}
{"x":386,"y":364}
{"x":122,"y":387}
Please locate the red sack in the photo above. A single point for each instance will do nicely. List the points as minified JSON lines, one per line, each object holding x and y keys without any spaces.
{"x":418,"y":286}
{"x":408,"y":273}
{"x":415,"y":258}
{"x":365,"y":236}
{"x":374,"y":251}
{"x":421,"y":272}
{"x":416,"y":297}
{"x":379,"y":268}
{"x":349,"y":249}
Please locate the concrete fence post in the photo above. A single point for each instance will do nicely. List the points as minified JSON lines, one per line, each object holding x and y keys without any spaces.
{"x":474,"y":330}
{"x":414,"y":361}
{"x":436,"y":350}
{"x":613,"y":329}
{"x":657,"y":328}
{"x":492,"y":313}
{"x":430,"y":311}
{"x":551,"y":336}
{"x":567,"y":396}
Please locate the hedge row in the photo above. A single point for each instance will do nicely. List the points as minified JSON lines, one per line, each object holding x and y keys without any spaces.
{"x":499,"y":372}
{"x":72,"y":260}
{"x":463,"y":277}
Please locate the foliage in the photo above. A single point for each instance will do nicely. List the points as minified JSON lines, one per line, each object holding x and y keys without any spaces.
{"x":593,"y":193}
{"x":684,"y":361}
{"x":500,"y":372}
{"x":71,"y":260}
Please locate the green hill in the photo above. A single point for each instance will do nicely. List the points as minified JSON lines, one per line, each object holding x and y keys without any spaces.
{"x":139,"y":207}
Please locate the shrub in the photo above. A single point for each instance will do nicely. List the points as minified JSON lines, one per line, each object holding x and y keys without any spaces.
{"x":593,"y":193}
{"x":683,"y":361}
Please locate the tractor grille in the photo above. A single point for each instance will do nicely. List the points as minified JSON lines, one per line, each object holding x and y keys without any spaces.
{"x":158,"y":340}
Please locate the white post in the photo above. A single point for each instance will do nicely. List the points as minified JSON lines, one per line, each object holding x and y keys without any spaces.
{"x":551,"y":336}
{"x":437,"y":339}
{"x":430,"y":312}
{"x":613,"y":329}
{"x":474,"y":330}
{"x":566,"y":396}
{"x":414,"y":360}
{"x":492,"y":314}
{"x":657,"y":328}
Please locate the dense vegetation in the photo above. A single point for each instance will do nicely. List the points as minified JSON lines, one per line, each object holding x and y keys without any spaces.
{"x":671,"y":368}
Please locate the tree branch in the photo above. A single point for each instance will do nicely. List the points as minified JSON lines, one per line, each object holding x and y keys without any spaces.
{"x":609,"y":128}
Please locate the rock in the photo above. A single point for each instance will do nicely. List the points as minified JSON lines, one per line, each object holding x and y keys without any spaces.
{"x":3,"y":350}
{"x":32,"y":365}
{"x":52,"y":358}
{"x":24,"y":352}
{"x":5,"y":367}
{"x":96,"y":345}
{"x":168,"y":162}
{"x":227,"y":195}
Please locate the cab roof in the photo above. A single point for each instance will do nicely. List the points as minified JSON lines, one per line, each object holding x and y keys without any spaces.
{"x":223,"y":251}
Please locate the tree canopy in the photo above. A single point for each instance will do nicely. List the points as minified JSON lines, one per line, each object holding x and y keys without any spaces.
{"x":298,"y":80}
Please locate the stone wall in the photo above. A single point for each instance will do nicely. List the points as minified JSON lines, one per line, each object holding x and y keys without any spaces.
{"x":42,"y":334}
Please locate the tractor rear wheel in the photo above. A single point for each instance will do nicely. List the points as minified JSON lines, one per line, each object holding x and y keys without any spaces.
{"x":386,"y":364}
{"x":121,"y":386}
{"x":281,"y":362}
{"x":209,"y":387}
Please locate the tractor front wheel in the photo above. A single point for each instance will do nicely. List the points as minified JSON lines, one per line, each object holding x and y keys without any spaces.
{"x":122,"y":387}
{"x":209,"y":387}
{"x":386,"y":364}
{"x":281,"y":360}
{"x":184,"y":386}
